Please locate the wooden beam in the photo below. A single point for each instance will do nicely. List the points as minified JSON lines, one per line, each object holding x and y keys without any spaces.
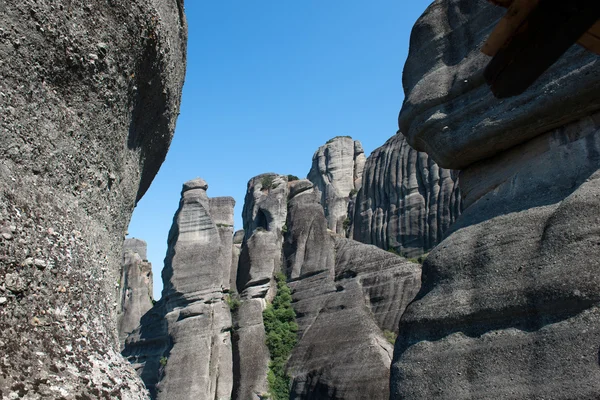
{"x":550,"y":29}
{"x":591,"y":39}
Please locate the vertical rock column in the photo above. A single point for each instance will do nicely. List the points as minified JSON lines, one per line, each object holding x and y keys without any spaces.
{"x":136,"y":287}
{"x":264,"y":216}
{"x":336,"y":173}
{"x":407,"y":202}
{"x":183,"y":347}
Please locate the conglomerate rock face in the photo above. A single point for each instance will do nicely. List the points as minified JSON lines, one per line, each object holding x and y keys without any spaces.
{"x":510,"y":298}
{"x":90,"y":93}
{"x":183,"y":350}
{"x":345,"y":295}
{"x":336,"y":172}
{"x":406,"y":202}
{"x":136,"y":296}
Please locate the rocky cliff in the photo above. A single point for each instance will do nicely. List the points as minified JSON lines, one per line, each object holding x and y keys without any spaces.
{"x":406,"y":202}
{"x":135,"y":298}
{"x":345,"y":295}
{"x":89,"y":96}
{"x":510,"y":297}
{"x":182,"y":350}
{"x":336,"y":173}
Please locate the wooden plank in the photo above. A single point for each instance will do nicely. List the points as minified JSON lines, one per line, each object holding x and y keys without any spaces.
{"x":551,"y":29}
{"x":517,"y":13}
{"x":591,"y":39}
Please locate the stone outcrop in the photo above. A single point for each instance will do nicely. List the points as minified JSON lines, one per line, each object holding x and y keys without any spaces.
{"x":510,"y":298}
{"x":406,"y":202}
{"x":336,"y":173}
{"x":345,"y":295}
{"x":136,"y":296}
{"x":183,"y":349}
{"x":264,"y":216}
{"x":89,"y":97}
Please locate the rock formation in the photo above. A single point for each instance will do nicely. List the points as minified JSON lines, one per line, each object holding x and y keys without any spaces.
{"x":510,"y":298}
{"x":89,"y":97}
{"x":345,"y":295}
{"x":182,"y":350}
{"x":336,"y":173}
{"x":264,"y":215}
{"x":135,"y":298}
{"x":406,"y":202}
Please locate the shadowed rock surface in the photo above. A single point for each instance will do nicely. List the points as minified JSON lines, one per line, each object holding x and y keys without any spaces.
{"x":336,"y":172}
{"x":90,"y":95}
{"x":406,"y":202}
{"x":182,"y":349}
{"x":136,"y":287}
{"x":510,"y":298}
{"x":345,"y":294}
{"x":264,"y":216}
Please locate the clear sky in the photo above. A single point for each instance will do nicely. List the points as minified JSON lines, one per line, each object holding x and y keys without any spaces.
{"x":268,"y":82}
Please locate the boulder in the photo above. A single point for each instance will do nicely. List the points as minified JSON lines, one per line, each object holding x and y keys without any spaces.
{"x":89,"y":96}
{"x":336,"y":174}
{"x":407,"y":202}
{"x":510,"y":297}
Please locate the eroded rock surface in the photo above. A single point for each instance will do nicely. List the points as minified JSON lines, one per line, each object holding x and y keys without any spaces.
{"x":336,"y":173}
{"x":89,"y":97}
{"x":345,"y":295}
{"x":264,"y":216}
{"x":510,"y":297}
{"x":406,"y":202}
{"x":183,"y":349}
{"x":136,"y":287}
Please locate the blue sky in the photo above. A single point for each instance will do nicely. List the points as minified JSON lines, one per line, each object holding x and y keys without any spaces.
{"x":268,"y":82}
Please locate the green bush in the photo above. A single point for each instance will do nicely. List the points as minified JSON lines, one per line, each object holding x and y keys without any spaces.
{"x":393,"y":251}
{"x":233,"y":301}
{"x":353,"y":192}
{"x":284,"y":228}
{"x":390,"y":336}
{"x":280,"y":327}
{"x":267,"y":181}
{"x":292,"y":178}
{"x":347,"y":223}
{"x":420,"y":259}
{"x":163,"y":361}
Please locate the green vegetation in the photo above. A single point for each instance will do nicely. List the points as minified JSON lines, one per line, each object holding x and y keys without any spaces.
{"x":420,"y":259}
{"x":390,"y":336}
{"x":284,"y":228}
{"x":292,"y":178}
{"x":224,"y":226}
{"x":267,"y":182}
{"x":280,"y":327}
{"x":353,"y":192}
{"x":163,"y":361}
{"x":393,"y":251}
{"x":347,"y":223}
{"x":233,"y":301}
{"x":332,"y":139}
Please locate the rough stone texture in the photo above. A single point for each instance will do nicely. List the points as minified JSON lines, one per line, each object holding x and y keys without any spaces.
{"x":449,"y":111}
{"x":183,"y":349}
{"x":406,"y":202}
{"x":136,"y":287}
{"x":344,"y":294}
{"x":336,"y":173}
{"x":264,"y":216}
{"x":510,"y":298}
{"x":89,"y":96}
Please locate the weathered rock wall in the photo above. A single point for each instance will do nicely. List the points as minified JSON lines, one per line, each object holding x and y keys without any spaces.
{"x":336,"y":172}
{"x":183,"y":348}
{"x":135,"y":298}
{"x":264,"y":215}
{"x":345,"y":294}
{"x":89,"y":98}
{"x":510,"y":297}
{"x":406,"y":202}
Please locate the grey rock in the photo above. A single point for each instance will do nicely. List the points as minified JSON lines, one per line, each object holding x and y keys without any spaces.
{"x":264,"y":216}
{"x":136,"y":290}
{"x":336,"y":173}
{"x":406,"y":202}
{"x":238,"y":237}
{"x":509,"y":298}
{"x":15,"y":283}
{"x":345,"y":294}
{"x":197,"y":183}
{"x":73,"y":124}
{"x":183,"y":349}
{"x":450,"y":113}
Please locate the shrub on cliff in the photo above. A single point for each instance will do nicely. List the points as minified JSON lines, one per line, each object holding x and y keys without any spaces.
{"x":280,"y":326}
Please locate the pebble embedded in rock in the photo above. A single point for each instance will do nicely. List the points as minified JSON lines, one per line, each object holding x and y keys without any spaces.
{"x":3,"y":300}
{"x":14,"y":283}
